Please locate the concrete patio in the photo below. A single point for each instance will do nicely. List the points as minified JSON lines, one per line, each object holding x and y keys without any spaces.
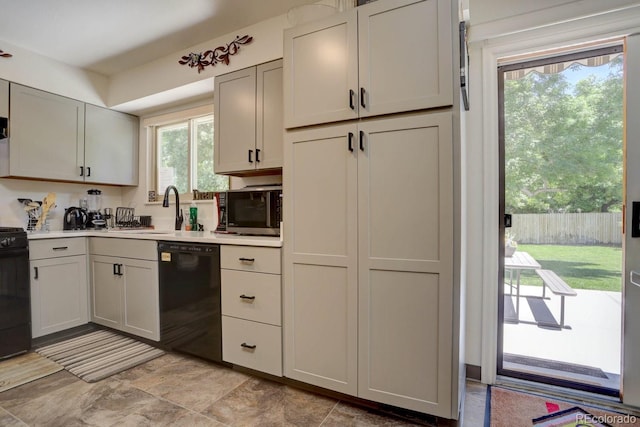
{"x":592,"y":336}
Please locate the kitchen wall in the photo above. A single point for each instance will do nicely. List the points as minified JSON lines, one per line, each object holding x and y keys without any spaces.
{"x":493,"y":18}
{"x":40,"y":72}
{"x":164,"y":75}
{"x":500,"y":28}
{"x":137,"y":90}
{"x":12,"y":212}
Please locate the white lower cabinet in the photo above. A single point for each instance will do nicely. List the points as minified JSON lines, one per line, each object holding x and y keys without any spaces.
{"x":58,"y":285}
{"x":124,"y":285}
{"x":369,"y":298}
{"x":251,"y":308}
{"x":252,"y":344}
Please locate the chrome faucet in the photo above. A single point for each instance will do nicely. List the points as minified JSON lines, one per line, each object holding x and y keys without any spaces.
{"x":165,"y":204}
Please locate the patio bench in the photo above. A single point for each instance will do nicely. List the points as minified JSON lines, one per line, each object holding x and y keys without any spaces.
{"x":558,"y":286}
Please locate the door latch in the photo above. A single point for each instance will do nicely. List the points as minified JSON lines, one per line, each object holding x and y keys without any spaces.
{"x":507,"y":220}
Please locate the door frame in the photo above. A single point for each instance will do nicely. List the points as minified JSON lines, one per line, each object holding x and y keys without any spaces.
{"x":533,"y":62}
{"x":483,"y":120}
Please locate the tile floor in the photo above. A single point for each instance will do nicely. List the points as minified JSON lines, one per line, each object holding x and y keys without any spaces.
{"x":177,"y":390}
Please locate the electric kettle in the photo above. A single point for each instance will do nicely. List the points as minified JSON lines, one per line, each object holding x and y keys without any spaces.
{"x":74,"y":219}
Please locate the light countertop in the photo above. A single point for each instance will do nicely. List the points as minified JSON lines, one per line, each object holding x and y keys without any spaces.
{"x":167,"y":235}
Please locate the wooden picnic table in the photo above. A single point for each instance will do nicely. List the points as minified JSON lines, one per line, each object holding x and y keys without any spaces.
{"x":516,"y":263}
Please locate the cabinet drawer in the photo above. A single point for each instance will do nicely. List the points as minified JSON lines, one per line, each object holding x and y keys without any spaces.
{"x":266,"y":356}
{"x":250,"y":258}
{"x":53,"y":248}
{"x":251,"y":296}
{"x":124,"y":248}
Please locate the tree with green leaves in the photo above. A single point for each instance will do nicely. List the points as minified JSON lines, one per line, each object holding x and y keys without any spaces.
{"x":563,"y":142}
{"x":174,"y":156}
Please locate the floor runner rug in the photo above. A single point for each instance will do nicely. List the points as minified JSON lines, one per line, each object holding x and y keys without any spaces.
{"x":99,"y":354}
{"x":511,"y":408}
{"x":26,"y":368}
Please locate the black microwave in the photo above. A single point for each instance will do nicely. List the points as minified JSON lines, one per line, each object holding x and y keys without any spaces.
{"x":253,"y":210}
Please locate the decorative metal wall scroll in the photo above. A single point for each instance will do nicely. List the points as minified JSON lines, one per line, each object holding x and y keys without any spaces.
{"x":218,"y":55}
{"x":4,"y":54}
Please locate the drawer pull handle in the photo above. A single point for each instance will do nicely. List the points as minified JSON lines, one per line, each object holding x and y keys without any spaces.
{"x":61,"y":248}
{"x":247,"y":297}
{"x":246,"y":259}
{"x":35,"y":272}
{"x":248,"y":346}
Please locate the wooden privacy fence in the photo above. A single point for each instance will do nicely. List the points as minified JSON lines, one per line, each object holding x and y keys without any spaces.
{"x":568,"y":229}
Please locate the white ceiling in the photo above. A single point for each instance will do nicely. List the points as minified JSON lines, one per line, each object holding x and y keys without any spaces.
{"x":109,"y":36}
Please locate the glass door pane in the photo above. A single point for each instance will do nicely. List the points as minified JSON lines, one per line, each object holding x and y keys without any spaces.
{"x":562,"y":157}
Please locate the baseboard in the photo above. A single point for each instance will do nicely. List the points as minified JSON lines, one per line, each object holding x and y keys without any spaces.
{"x":473,"y":372}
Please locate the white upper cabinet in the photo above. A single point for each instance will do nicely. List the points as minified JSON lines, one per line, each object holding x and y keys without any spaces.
{"x":321,"y":71}
{"x":269,"y":115}
{"x":384,"y":57}
{"x":111,"y":147}
{"x":405,"y":52}
{"x":248,"y":119}
{"x":46,"y":135}
{"x":235,"y":121}
{"x":52,"y":137}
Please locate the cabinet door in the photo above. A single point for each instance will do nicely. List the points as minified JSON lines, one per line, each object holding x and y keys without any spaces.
{"x":58,"y":294}
{"x":4,"y":99}
{"x":111,"y":147}
{"x":235,"y":121}
{"x":405,"y":251}
{"x":141,"y":300}
{"x":405,"y":56}
{"x":321,"y":71}
{"x":47,"y":135}
{"x":269,"y":115}
{"x":320,"y":266}
{"x":106,"y":292}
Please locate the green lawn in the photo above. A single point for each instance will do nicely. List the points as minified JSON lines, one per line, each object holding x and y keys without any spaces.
{"x":582,"y":267}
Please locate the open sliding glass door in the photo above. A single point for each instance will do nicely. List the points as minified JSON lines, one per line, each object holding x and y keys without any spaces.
{"x":561,"y":162}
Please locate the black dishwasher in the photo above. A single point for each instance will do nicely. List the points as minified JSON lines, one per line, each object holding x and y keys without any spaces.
{"x":190,"y":314}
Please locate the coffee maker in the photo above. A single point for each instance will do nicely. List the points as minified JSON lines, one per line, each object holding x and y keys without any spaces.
{"x":95,"y":218}
{"x":74,"y":219}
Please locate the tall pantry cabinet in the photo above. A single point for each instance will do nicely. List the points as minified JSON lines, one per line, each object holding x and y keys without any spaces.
{"x":371,"y":293}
